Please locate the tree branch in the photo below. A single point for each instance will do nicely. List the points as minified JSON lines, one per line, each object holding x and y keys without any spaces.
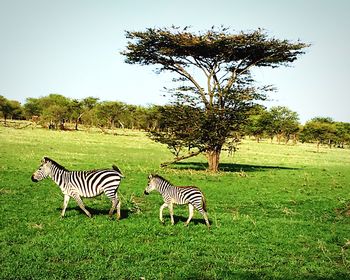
{"x":180,"y":70}
{"x":177,"y":159}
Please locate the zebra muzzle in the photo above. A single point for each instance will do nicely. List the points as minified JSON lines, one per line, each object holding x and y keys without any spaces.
{"x":33,"y":179}
{"x":146,"y":193}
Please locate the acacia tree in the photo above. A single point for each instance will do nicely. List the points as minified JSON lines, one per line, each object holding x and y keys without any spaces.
{"x":223,"y":87}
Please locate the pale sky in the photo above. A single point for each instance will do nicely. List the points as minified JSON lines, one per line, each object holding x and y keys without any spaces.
{"x":72,"y":47}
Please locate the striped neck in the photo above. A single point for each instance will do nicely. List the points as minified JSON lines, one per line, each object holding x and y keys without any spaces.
{"x":162,"y":185}
{"x":58,"y":173}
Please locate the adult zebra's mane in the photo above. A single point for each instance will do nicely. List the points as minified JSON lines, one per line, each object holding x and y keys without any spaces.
{"x":55,"y":163}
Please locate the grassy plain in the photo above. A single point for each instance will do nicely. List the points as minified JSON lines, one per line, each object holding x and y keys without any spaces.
{"x":277,"y":212}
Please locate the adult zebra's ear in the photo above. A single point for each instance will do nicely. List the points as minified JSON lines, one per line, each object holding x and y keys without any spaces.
{"x":44,"y":159}
{"x":150,"y":176}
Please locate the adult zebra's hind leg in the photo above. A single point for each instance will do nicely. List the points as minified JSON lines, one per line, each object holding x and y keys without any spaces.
{"x":204,"y":214}
{"x":190,"y":215}
{"x":115,"y":204}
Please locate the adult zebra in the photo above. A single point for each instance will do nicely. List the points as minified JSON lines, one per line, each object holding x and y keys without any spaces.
{"x":177,"y":195}
{"x":77,"y":184}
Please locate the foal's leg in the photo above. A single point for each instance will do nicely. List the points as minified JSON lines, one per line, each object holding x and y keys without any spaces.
{"x":190,"y":209}
{"x":161,"y":212}
{"x":171,"y":210}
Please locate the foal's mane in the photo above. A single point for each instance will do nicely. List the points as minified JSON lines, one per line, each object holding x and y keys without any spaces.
{"x":156,"y":176}
{"x":163,"y":179}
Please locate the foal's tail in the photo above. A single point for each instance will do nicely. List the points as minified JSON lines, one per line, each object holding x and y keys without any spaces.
{"x":115,"y":168}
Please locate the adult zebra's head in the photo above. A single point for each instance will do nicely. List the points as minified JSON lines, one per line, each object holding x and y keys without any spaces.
{"x":151,"y":184}
{"x":43,"y":171}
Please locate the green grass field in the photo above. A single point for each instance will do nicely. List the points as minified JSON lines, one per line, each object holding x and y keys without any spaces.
{"x":277,"y":212}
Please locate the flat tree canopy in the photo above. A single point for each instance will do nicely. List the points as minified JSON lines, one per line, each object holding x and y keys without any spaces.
{"x":223,"y":90}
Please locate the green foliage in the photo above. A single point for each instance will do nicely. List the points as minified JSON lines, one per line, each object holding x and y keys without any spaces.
{"x":284,"y":122}
{"x":170,"y":46}
{"x":33,"y":107}
{"x":342,"y":134}
{"x":277,"y":212}
{"x":10,"y":109}
{"x":175,"y":130}
{"x":319,"y":130}
{"x":278,"y":121}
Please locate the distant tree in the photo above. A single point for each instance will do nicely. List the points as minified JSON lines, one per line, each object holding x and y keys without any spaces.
{"x":76,"y":111}
{"x":284,"y":123}
{"x":319,"y":130}
{"x":153,"y":116}
{"x":109,"y":113}
{"x":89,"y":114}
{"x":90,"y":102}
{"x":17,"y":110}
{"x":342,"y":134}
{"x":256,"y":123}
{"x":140,"y":117}
{"x":32,"y":107}
{"x":213,"y":69}
{"x":10,"y":109}
{"x":55,"y":110}
{"x":77,"y":108}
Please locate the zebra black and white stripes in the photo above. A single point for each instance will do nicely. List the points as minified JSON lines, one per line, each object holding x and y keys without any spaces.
{"x":177,"y":195}
{"x":77,"y":184}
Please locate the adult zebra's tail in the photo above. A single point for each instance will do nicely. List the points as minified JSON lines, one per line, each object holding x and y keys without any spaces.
{"x":115,"y":168}
{"x":204,"y":204}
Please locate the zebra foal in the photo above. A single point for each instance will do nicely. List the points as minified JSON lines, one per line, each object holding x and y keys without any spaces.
{"x":77,"y":184}
{"x":177,"y":195}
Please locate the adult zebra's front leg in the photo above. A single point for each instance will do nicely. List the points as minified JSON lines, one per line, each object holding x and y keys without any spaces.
{"x":81,"y":204}
{"x":65,"y":204}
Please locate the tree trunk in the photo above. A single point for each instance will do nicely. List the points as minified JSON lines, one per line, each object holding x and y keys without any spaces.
{"x":213,"y":159}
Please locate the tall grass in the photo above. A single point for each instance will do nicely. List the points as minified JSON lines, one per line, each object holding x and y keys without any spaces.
{"x":277,"y":212}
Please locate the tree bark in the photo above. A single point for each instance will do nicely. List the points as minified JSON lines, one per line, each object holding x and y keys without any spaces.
{"x":213,"y":159}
